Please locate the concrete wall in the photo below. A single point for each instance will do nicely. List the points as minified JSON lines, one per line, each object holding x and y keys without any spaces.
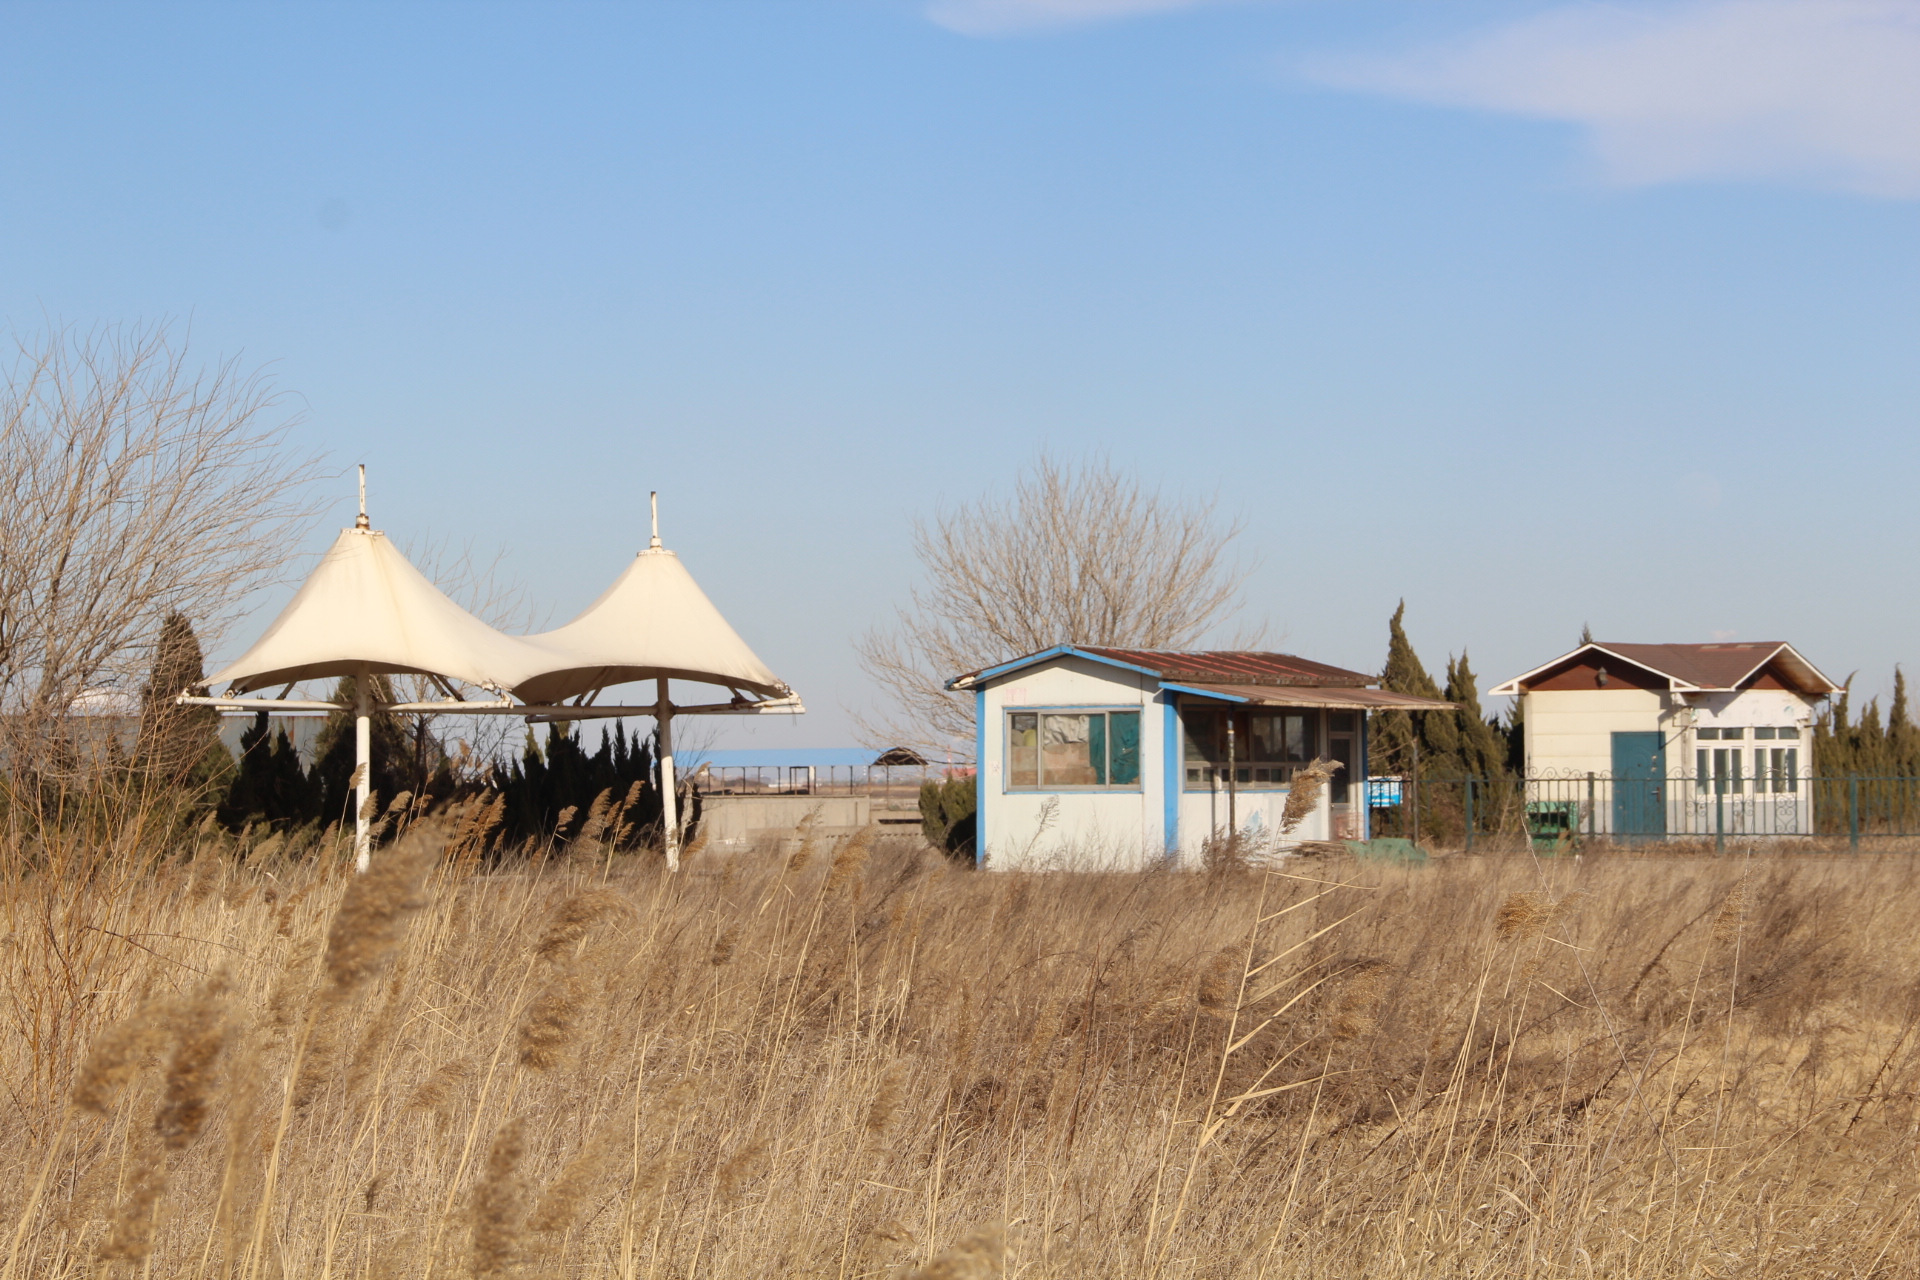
{"x":737,"y":821}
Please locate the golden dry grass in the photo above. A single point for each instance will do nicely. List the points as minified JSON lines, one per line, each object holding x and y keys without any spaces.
{"x":867,"y":1062}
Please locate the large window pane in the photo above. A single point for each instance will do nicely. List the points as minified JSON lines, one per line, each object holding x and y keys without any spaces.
{"x":1203,"y":727}
{"x":1124,"y":730}
{"x":1066,"y":757}
{"x":1023,"y":750}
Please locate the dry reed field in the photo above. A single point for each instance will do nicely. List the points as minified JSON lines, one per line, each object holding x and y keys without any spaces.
{"x":858,"y":1059}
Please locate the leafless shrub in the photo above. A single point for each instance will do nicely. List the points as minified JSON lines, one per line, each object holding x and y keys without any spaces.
{"x":138,"y":485}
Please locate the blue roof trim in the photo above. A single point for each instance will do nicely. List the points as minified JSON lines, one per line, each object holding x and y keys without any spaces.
{"x":1046,"y":655}
{"x":1205,"y":693}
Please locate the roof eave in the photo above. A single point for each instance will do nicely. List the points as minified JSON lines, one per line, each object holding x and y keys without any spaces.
{"x":973,"y":679}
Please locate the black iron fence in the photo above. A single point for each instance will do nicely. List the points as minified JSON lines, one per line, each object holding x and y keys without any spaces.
{"x":1566,"y":811}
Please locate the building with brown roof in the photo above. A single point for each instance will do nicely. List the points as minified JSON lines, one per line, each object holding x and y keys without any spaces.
{"x":1097,"y":755}
{"x":1679,"y":727}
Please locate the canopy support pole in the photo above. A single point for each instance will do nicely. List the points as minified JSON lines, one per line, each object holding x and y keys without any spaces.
{"x":669,"y":799}
{"x":362,"y":769}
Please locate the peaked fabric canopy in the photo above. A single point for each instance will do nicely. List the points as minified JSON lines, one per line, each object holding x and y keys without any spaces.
{"x":653,"y":622}
{"x":367,"y":604}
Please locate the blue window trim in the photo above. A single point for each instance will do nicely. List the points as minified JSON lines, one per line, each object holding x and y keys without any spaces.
{"x":980,"y":778}
{"x":1172,"y":767}
{"x":1072,"y":708}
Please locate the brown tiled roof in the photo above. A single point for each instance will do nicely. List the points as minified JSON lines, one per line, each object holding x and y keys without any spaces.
{"x":1236,"y":668}
{"x":1711,"y":666}
{"x":1699,"y":666}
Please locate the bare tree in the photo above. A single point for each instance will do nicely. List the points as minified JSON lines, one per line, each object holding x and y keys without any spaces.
{"x":1080,"y":554}
{"x":138,"y":485}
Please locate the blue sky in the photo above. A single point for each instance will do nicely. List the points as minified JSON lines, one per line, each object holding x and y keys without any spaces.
{"x":1533,"y":314}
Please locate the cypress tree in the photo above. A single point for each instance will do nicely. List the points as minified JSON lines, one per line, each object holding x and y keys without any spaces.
{"x":269,"y":786}
{"x":392,"y":753}
{"x":178,"y":748}
{"x":1481,"y":752}
{"x":1903,"y":738}
{"x":1392,"y":732}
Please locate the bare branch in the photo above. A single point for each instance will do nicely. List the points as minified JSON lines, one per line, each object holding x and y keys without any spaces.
{"x":139,"y":486}
{"x":1078,"y":555}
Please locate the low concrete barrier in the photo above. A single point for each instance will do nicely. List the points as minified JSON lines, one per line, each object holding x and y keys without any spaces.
{"x":736,"y":821}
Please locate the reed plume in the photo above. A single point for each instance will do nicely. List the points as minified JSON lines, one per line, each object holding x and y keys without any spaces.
{"x":560,"y":1204}
{"x":548,"y":1028}
{"x":199,"y":1028}
{"x":575,"y":916}
{"x":374,"y":913}
{"x":498,"y":1204}
{"x":116,"y":1057}
{"x":980,"y":1254}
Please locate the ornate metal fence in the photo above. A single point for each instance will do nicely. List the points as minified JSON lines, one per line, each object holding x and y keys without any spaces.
{"x":1566,"y":811}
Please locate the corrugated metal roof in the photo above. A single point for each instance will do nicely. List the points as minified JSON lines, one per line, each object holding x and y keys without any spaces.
{"x":1336,"y":697}
{"x":1236,"y":667}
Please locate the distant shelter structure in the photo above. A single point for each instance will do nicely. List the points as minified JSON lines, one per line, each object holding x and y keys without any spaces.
{"x":366,"y":611}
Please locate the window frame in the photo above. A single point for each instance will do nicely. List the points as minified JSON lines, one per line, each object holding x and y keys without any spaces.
{"x":1040,"y":786}
{"x":1322,"y":734}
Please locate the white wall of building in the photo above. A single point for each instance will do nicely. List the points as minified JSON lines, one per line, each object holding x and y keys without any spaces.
{"x":1119,"y":829}
{"x":1571,"y":730}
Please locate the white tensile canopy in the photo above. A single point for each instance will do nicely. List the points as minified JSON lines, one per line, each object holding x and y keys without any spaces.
{"x":653,"y":623}
{"x":367,"y":611}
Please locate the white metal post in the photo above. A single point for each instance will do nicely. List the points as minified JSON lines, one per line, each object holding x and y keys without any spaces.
{"x":362,"y":768}
{"x":669,"y":802}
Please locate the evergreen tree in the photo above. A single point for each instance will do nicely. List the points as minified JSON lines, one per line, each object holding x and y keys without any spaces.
{"x":563,"y":775}
{"x":178,"y":748}
{"x":1392,"y":733}
{"x":1833,"y":736}
{"x":1903,"y":738}
{"x":1514,"y":732}
{"x":1586,"y":633}
{"x":270,"y":786}
{"x":392,"y":754}
{"x":1479,"y":748}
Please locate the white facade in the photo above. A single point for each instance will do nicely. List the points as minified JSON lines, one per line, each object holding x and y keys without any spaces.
{"x":1714,"y":740}
{"x":1151,"y":819}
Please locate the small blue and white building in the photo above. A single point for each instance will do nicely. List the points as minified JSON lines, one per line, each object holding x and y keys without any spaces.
{"x":1102,"y":758}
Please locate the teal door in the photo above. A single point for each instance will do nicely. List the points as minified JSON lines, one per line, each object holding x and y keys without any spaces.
{"x":1639,"y":771}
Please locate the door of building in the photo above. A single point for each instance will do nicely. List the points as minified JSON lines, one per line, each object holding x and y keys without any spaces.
{"x":1638,"y":777}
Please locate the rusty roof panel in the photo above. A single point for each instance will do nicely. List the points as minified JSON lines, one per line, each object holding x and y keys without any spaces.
{"x":1236,"y":667}
{"x":1324,"y":696}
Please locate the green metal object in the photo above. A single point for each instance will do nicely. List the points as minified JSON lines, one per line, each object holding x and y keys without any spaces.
{"x":1553,"y":826}
{"x":1386,"y":849}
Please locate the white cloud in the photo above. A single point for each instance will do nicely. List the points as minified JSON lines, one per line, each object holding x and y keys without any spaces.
{"x":1002,"y":17}
{"x":1820,"y":91}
